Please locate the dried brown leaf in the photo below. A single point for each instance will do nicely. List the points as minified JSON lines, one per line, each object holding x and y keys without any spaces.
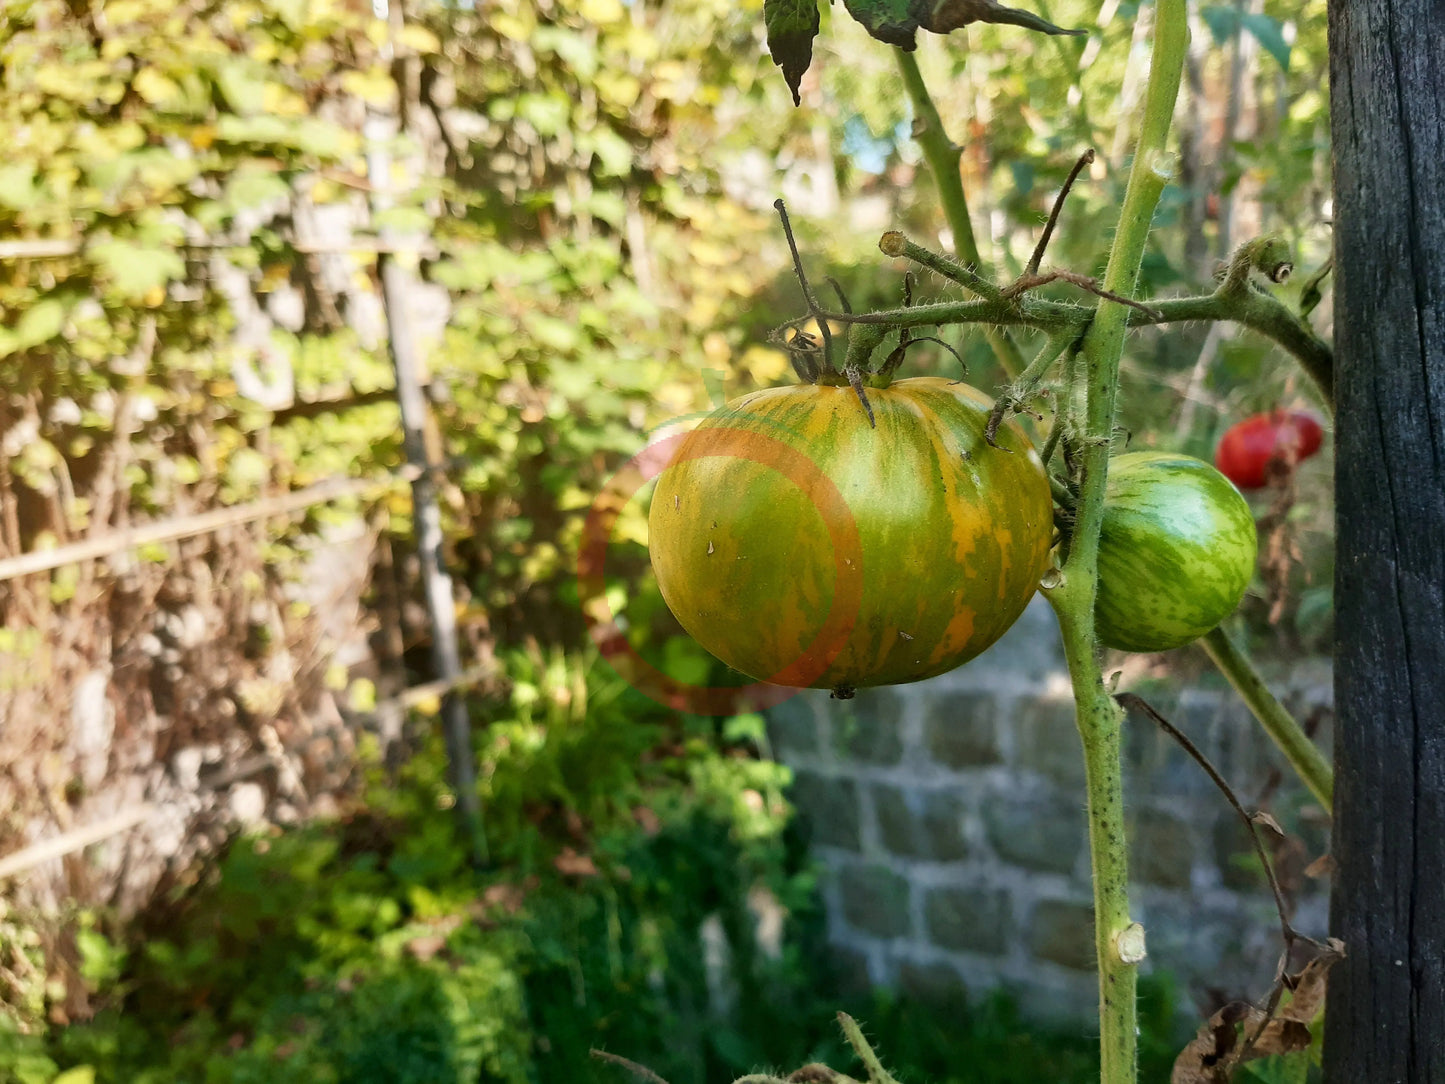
{"x":426,"y":946}
{"x":1309,"y":984}
{"x":1259,"y":816}
{"x":1208,"y":1053}
{"x":571,"y":864}
{"x":1280,"y":1037}
{"x":1321,"y":867}
{"x":509,"y":897}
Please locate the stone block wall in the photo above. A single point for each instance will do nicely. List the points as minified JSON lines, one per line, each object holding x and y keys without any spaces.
{"x":948,"y":817}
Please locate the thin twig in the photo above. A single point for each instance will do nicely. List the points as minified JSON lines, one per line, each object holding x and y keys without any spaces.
{"x":1132,"y":700}
{"x":641,"y":1071}
{"x":1085,"y":159}
{"x":935,"y":339}
{"x":1028,"y":281}
{"x":814,"y":308}
{"x":838,"y":289}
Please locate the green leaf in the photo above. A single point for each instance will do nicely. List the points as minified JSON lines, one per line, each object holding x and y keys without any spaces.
{"x":1270,"y":35}
{"x":750,"y":727}
{"x":1023,"y":174}
{"x":252,"y":186}
{"x":136,"y":269}
{"x":241,"y":86}
{"x":792,"y":25}
{"x":265,"y":129}
{"x":1223,"y":22}
{"x":41,"y":322}
{"x":893,"y":21}
{"x":17,"y":187}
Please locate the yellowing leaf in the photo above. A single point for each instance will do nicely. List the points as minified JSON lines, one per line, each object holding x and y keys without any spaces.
{"x":765,"y":364}
{"x":513,"y":27}
{"x":155,"y":87}
{"x":420,"y":39}
{"x":17,"y":188}
{"x":373,"y":86}
{"x":601,"y":11}
{"x":39,"y":323}
{"x":120,"y":12}
{"x":282,"y":101}
{"x":134,"y":270}
{"x":241,"y":86}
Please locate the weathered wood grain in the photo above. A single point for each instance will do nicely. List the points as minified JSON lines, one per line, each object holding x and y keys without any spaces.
{"x":1386,"y":1014}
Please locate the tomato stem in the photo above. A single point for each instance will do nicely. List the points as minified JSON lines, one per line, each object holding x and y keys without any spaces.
{"x":1095,"y":377}
{"x":1027,"y":385}
{"x":1282,"y":727}
{"x":943,"y":155}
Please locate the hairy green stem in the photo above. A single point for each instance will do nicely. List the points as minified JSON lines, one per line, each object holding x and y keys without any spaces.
{"x":1253,"y":308}
{"x":1302,"y":753}
{"x":942,"y":155}
{"x":1017,"y":394}
{"x":1260,"y":312}
{"x":1100,"y":719}
{"x":894,"y":243}
{"x":854,"y":1034}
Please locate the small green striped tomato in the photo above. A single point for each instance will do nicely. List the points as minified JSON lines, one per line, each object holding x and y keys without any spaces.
{"x":802,"y":547}
{"x":1176,"y":551}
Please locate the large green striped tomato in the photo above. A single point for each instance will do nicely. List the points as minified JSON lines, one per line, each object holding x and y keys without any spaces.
{"x":1176,"y":551}
{"x":803,"y":547}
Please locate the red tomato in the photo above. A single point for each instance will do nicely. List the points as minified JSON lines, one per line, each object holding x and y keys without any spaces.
{"x":1248,"y":448}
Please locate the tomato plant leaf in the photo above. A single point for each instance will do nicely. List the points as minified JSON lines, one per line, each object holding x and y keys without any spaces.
{"x":1223,"y":22}
{"x":1270,"y":35}
{"x":893,"y":21}
{"x":792,"y":25}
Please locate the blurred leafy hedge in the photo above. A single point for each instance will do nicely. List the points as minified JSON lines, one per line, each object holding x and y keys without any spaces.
{"x":635,"y":855}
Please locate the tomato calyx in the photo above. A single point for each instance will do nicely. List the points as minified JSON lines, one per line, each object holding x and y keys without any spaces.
{"x":812,"y":354}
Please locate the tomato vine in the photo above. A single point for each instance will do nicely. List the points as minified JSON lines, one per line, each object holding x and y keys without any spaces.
{"x":1088,"y":340}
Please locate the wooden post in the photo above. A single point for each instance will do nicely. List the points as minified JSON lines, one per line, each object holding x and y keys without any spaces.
{"x":426,"y":515}
{"x":1385,"y":1020}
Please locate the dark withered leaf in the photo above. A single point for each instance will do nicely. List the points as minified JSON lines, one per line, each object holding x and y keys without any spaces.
{"x":1309,"y":984}
{"x":1263,"y":819}
{"x":792,"y":25}
{"x":1323,"y":866}
{"x":1280,"y":1037}
{"x":897,"y":21}
{"x":948,"y":15}
{"x":1212,"y":1046}
{"x":893,"y":21}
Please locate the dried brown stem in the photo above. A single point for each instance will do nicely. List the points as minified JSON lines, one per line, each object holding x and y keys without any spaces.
{"x":1131,"y":700}
{"x":1028,"y":281}
{"x":813,"y":307}
{"x":1085,"y":159}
